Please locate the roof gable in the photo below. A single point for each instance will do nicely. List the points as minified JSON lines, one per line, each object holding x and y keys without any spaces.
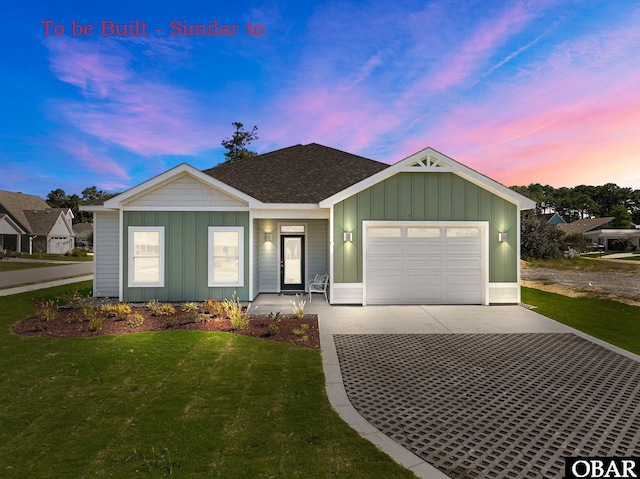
{"x":43,"y":222}
{"x":185,"y":191}
{"x":304,"y":174}
{"x":16,"y":203}
{"x":432,"y":161}
{"x":8,"y":226}
{"x":166,"y":178}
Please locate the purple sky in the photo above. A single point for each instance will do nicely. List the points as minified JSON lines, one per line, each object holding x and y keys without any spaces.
{"x":523,"y":92}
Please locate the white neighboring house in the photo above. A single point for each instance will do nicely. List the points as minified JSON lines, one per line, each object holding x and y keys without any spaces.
{"x":599,"y":232}
{"x":29,"y":225}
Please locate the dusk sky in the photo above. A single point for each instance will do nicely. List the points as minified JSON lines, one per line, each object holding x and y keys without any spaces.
{"x":521,"y":91}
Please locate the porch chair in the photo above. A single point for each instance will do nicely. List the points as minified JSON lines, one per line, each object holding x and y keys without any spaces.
{"x":319,"y":285}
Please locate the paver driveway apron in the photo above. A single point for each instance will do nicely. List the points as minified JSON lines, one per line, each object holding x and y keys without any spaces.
{"x":480,"y":392}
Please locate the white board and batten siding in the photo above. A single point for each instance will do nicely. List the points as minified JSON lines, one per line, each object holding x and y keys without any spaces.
{"x":106,"y":254}
{"x":185,"y":192}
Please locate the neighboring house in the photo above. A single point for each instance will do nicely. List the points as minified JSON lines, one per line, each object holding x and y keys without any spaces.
{"x":84,"y":233}
{"x":553,"y":219}
{"x":29,"y":225}
{"x":598,"y":232}
{"x":424,"y":230}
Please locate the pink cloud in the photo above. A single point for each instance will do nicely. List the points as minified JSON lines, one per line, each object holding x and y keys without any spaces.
{"x":124,"y":108}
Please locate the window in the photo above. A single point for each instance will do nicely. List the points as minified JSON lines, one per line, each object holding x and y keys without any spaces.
{"x":385,"y":232}
{"x":292,"y":229}
{"x":226,"y":254}
{"x":146,"y":256}
{"x":463,"y":232}
{"x":423,"y":232}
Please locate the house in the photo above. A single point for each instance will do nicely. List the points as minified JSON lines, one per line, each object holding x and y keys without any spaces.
{"x":424,"y":230}
{"x":84,"y":234}
{"x":599,"y":232}
{"x":553,"y":219}
{"x":29,"y":225}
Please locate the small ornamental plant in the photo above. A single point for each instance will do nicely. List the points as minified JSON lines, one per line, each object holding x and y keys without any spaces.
{"x":213,"y":307}
{"x":47,"y":308}
{"x":120,"y":311}
{"x":135,"y":320}
{"x":95,"y":324}
{"x":236,"y":313}
{"x":298,"y":307}
{"x":160,"y":309}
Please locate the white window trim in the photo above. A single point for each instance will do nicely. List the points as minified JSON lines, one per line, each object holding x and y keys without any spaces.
{"x":215,"y":229}
{"x":132,"y":282}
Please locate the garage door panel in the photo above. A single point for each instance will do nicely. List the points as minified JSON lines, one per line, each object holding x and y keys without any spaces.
{"x":462,"y":249}
{"x":429,"y":264}
{"x":434,"y":264}
{"x":384,"y":249}
{"x":462,"y":279}
{"x":418,"y":281}
{"x":423,"y":249}
{"x":385,"y":264}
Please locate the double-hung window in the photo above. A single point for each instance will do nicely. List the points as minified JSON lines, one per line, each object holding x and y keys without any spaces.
{"x":146,"y":256}
{"x":226,"y":256}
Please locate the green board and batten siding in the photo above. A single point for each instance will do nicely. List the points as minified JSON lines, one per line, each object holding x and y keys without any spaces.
{"x":425,"y":197}
{"x":186,"y":253}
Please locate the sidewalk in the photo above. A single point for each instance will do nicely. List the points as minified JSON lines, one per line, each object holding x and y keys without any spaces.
{"x":47,"y":284}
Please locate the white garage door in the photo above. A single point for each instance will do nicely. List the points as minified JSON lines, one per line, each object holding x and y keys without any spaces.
{"x":424,"y":264}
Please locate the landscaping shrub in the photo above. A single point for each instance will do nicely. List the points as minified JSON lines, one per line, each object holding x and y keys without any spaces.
{"x":160,"y":309}
{"x":119,"y":311}
{"x":135,"y":320}
{"x":236,"y":313}
{"x":213,"y":307}
{"x":95,"y":324}
{"x":298,"y":307}
{"x":47,"y":309}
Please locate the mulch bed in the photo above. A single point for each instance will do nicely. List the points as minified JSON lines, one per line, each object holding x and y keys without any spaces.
{"x":68,"y":324}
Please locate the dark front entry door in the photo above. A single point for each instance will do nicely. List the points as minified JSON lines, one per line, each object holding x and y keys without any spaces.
{"x":292,"y":263}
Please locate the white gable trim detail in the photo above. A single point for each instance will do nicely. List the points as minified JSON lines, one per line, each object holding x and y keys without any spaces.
{"x":167,"y":177}
{"x":432,"y":161}
{"x":6,"y":219}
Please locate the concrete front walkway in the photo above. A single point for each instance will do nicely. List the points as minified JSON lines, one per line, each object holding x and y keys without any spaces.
{"x":411,"y":320}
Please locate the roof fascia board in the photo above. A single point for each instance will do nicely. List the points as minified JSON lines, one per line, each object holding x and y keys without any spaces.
{"x":183,"y":169}
{"x":440,"y":164}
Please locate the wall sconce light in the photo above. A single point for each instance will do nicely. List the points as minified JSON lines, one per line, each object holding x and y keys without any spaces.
{"x":502,"y":237}
{"x":268,"y":236}
{"x":348,"y":236}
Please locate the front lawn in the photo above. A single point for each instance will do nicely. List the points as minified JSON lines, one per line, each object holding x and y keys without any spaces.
{"x":611,"y":321}
{"x":185,"y":403}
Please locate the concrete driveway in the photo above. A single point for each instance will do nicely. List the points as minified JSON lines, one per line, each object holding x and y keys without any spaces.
{"x":477,"y":391}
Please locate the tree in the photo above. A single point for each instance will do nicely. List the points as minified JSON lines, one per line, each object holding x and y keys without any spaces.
{"x":237,"y":144}
{"x":622,"y":217}
{"x":59,"y":199}
{"x":540,"y":240}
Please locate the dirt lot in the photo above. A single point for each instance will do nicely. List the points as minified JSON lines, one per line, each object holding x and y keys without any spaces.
{"x":621,"y":286}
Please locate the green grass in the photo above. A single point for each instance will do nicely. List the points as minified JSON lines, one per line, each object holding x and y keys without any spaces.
{"x":57,"y":257}
{"x":189,"y":403}
{"x":611,"y":321}
{"x":17,"y":266}
{"x":583,"y":265}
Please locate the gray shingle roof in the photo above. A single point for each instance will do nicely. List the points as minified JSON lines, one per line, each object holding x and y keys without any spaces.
{"x":297,"y":174}
{"x":17,"y":203}
{"x":42,"y":221}
{"x":582,"y":226}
